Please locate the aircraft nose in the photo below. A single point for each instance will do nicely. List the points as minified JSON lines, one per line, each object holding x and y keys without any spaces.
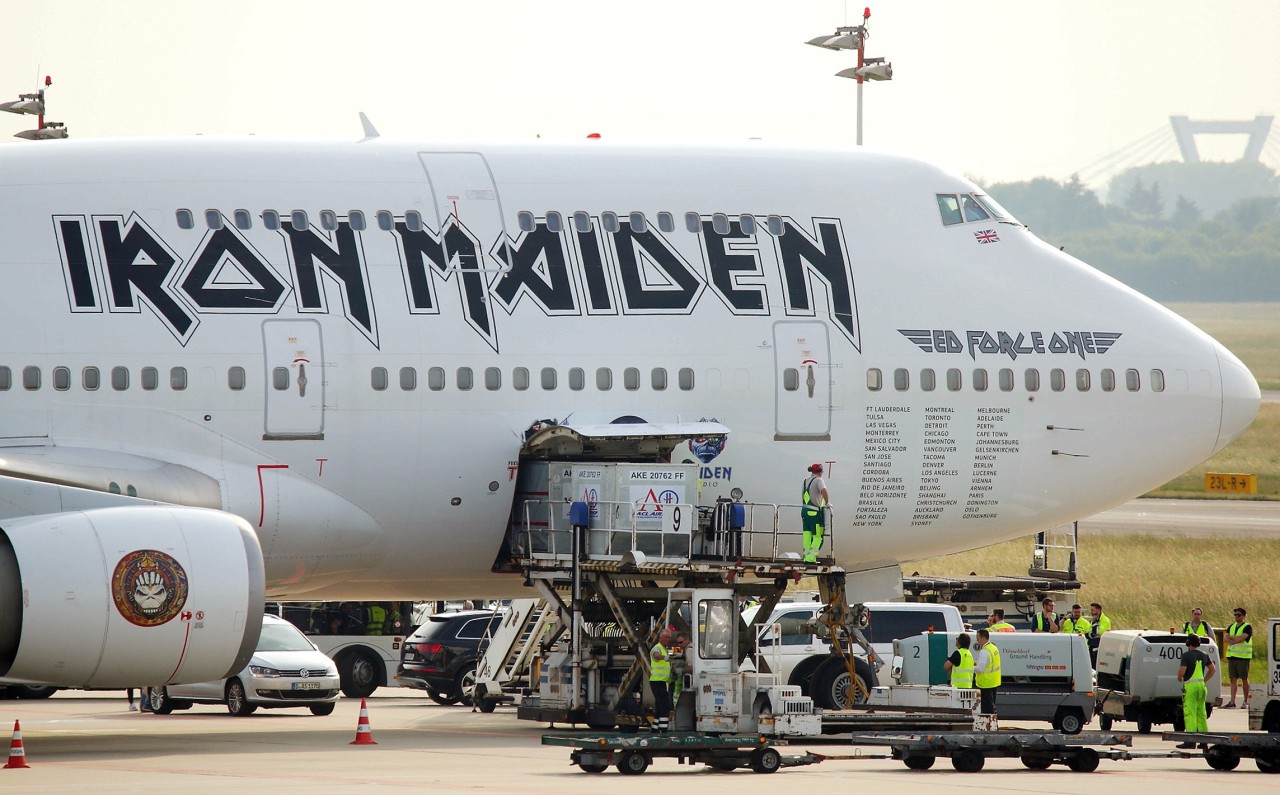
{"x":1240,"y":397}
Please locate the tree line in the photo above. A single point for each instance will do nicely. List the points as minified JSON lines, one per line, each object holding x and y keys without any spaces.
{"x":1175,"y":231}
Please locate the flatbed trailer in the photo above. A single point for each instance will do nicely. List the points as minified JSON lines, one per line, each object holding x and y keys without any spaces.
{"x":632,"y":754}
{"x":875,"y":718}
{"x":969,"y":750}
{"x":1223,"y":751}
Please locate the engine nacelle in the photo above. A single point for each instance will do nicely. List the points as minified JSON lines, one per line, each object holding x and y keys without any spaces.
{"x":128,"y":596}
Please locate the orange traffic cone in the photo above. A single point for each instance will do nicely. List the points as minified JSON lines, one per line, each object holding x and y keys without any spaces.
{"x":363,"y":735}
{"x":17,"y":754}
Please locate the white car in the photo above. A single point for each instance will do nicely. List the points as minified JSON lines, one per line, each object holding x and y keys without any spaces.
{"x":286,"y":670}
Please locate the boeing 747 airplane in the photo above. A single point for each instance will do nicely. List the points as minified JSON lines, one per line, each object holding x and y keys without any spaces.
{"x":233,"y":370}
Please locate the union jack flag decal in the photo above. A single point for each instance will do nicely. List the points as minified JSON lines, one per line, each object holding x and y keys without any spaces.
{"x":987,"y":236}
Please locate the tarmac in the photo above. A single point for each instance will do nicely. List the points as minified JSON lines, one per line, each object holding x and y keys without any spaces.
{"x":89,"y":741}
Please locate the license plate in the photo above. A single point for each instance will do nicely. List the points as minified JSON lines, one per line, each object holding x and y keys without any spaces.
{"x":306,"y":685}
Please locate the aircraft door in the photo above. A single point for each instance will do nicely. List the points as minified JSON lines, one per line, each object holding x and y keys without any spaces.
{"x":802,"y":362}
{"x":294,"y":359}
{"x":464,"y":189}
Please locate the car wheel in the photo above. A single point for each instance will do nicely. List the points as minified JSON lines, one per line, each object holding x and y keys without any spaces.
{"x":1068,"y":721}
{"x":323,"y":709}
{"x":835,"y":685}
{"x":358,"y":673}
{"x":443,"y":699}
{"x":161,"y":704}
{"x":237,"y":702}
{"x":464,"y":689}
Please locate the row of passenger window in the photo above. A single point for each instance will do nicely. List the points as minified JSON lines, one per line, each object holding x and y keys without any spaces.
{"x":522,"y":379}
{"x":556,"y":221}
{"x":1005,"y":379}
{"x":464,"y":378}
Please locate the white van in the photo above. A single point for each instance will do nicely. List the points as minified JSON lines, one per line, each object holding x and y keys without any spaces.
{"x":801,"y":658}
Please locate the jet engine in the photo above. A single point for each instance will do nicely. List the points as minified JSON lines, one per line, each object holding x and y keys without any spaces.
{"x":128,"y":596}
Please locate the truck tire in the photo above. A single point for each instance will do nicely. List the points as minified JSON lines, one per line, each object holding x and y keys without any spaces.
{"x":1069,"y":720}
{"x":919,"y":762}
{"x":968,"y":761}
{"x":1144,"y":722}
{"x":358,"y":672}
{"x":1220,"y":757}
{"x":1268,"y":762}
{"x":766,"y":760}
{"x":1105,"y":722}
{"x":1083,"y":761}
{"x":632,"y":763}
{"x":834,"y":683}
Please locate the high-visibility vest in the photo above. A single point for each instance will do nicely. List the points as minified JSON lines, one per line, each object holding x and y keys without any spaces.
{"x":1071,"y":626}
{"x":1197,"y":675}
{"x":962,"y":674}
{"x":377,"y":617}
{"x":989,"y":676}
{"x":1242,"y":650}
{"x":1003,"y":626}
{"x":1202,"y":629}
{"x":811,"y":507}
{"x":1102,"y":626}
{"x":1041,"y":622}
{"x":660,"y":670}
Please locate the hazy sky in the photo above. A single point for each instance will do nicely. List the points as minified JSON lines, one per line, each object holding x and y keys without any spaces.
{"x":1000,"y":90}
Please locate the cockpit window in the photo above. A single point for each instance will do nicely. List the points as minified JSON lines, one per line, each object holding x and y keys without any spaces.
{"x":993,"y":207}
{"x":972,"y":210}
{"x":949,"y":206}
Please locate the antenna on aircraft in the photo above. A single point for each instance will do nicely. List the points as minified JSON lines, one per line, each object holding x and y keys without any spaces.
{"x":33,"y":105}
{"x":370,"y":132}
{"x":854,"y":37}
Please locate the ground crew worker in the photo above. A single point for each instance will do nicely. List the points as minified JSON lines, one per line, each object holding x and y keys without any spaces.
{"x":815,"y":500}
{"x":986,"y":672}
{"x":996,"y":622}
{"x":660,"y":680}
{"x":1194,"y":669}
{"x":1239,"y":641}
{"x":375,"y":618}
{"x":1046,"y":620}
{"x":1197,"y":625}
{"x":1100,"y":626}
{"x":960,"y":663}
{"x":1075,"y":624}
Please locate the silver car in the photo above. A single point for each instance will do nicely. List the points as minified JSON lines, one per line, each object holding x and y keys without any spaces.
{"x":286,"y":670}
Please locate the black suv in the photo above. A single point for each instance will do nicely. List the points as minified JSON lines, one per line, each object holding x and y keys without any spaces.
{"x":440,"y":656}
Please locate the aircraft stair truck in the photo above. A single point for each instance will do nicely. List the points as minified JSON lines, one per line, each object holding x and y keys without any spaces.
{"x":1045,"y":676}
{"x":1138,"y":678}
{"x":1264,"y":698}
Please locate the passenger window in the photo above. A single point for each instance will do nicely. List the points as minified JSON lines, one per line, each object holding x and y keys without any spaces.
{"x":1006,"y":380}
{"x":1032,"y":379}
{"x":582,"y":221}
{"x":949,"y":208}
{"x":972,"y":210}
{"x":492,"y":379}
{"x":980,"y":380}
{"x":435,"y":379}
{"x":120,"y":378}
{"x":901,"y":380}
{"x":666,"y":223}
{"x":177,"y":378}
{"x":413,"y":221}
{"x":1157,"y":380}
{"x":953,"y":380}
{"x":356,"y":219}
{"x":875,"y":379}
{"x":747,"y":223}
{"x":577,"y":379}
{"x":658,"y":379}
{"x":328,"y":220}
{"x":637,"y":222}
{"x":774,"y":224}
{"x":555,"y":222}
{"x":604,"y":379}
{"x":91,"y":379}
{"x":385,"y":221}
{"x":465,"y":379}
{"x":377,"y":378}
{"x":790,"y":379}
{"x":686,"y":378}
{"x":298,"y":220}
{"x":1131,"y":381}
{"x":213,"y":219}
{"x":693,"y":223}
{"x":62,"y":378}
{"x":720,"y":223}
{"x":524,"y":220}
{"x":236,"y":378}
{"x":790,"y":632}
{"x":609,"y":221}
{"x":6,"y":379}
{"x":1082,"y":380}
{"x":631,"y":379}
{"x":928,"y":379}
{"x":548,"y":378}
{"x":243,"y":219}
{"x":408,"y":379}
{"x":150,"y":378}
{"x":890,"y":625}
{"x":1057,"y":380}
{"x":520,"y":378}
{"x":280,"y":378}
{"x":1108,"y":377}
{"x":270,"y":220}
{"x":185,"y":219}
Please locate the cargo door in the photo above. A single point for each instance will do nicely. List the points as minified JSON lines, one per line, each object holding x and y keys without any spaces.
{"x":802,"y":389}
{"x":294,"y":360}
